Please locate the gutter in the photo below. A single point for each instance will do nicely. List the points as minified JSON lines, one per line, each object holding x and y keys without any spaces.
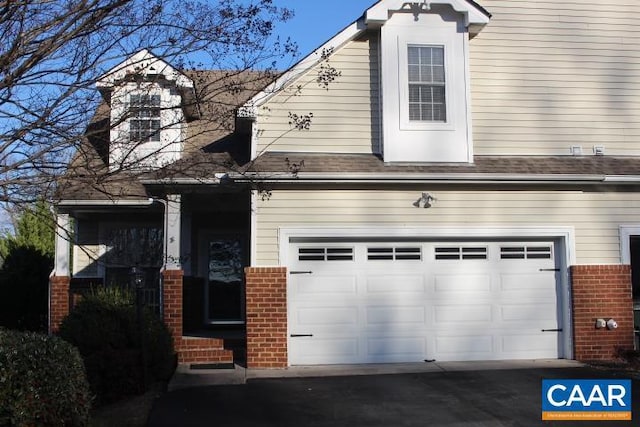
{"x":113,"y":202}
{"x":185,"y":181}
{"x":376,"y":178}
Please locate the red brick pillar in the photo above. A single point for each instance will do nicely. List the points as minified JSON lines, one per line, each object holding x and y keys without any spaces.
{"x":172,"y":302}
{"x":266,"y":289}
{"x":58,"y":301}
{"x":601,"y":292}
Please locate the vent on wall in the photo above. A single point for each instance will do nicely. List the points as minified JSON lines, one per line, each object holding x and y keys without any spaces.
{"x":325,"y":254}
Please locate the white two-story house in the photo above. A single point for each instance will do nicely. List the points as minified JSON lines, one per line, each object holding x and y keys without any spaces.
{"x":442,"y":180}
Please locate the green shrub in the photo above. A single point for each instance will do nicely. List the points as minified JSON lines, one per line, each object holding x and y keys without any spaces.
{"x":42,"y":381}
{"x":104,"y":327}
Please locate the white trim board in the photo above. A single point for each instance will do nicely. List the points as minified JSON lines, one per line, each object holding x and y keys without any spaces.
{"x":626,"y":231}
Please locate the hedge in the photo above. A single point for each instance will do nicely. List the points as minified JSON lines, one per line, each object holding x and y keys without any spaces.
{"x":42,"y":381}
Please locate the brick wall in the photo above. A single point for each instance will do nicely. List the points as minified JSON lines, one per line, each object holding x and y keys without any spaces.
{"x":601,"y":292}
{"x":59,"y":301}
{"x":172,"y":302}
{"x":189,"y":349}
{"x":266,"y":289}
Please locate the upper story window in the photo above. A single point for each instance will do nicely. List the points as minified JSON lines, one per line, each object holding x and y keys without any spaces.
{"x":144,"y":120}
{"x":425,"y":87}
{"x":426,"y":76}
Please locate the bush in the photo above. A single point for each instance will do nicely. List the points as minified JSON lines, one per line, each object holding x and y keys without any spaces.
{"x":42,"y":381}
{"x":24,"y":289}
{"x":104,"y":327}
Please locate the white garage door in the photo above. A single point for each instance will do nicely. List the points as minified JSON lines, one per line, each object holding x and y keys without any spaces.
{"x":378,"y":302}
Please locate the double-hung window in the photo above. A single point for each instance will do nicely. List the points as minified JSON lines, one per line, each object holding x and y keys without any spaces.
{"x":427,"y":85}
{"x":144,"y":120}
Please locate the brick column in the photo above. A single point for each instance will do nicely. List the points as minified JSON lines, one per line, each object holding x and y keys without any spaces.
{"x":266,"y":289}
{"x":58,"y":301}
{"x":172,"y":302}
{"x":601,"y":292}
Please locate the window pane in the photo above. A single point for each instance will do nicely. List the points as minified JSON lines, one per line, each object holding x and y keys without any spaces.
{"x":426,"y":76}
{"x":414,"y":55}
{"x":414,"y":93}
{"x":438,"y":74}
{"x":437,"y":56}
{"x":438,"y":94}
{"x":414,"y":73}
{"x":414,"y":112}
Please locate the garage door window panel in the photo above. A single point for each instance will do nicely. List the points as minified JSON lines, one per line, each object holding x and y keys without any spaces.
{"x":461,"y":253}
{"x":526,"y":252}
{"x":325,"y":254}
{"x":394,"y":253}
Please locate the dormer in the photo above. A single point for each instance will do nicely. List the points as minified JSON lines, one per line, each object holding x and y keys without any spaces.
{"x":425,"y":82}
{"x":150,"y":103}
{"x":413,"y":92}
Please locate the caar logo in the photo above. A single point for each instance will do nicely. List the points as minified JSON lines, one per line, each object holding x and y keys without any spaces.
{"x":586,"y":400}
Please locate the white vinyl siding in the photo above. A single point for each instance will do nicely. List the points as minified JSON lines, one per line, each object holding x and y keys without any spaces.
{"x":345,"y":115}
{"x":86,"y":250}
{"x":546,"y":75}
{"x":595,"y":216}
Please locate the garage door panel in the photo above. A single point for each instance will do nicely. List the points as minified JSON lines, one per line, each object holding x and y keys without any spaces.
{"x":530,"y":284}
{"x":319,"y":350}
{"x":388,"y":348}
{"x":462,"y":283}
{"x":380,"y":284}
{"x":327,"y":316}
{"x":460,"y":314}
{"x":536,"y":313}
{"x":313,"y":285}
{"x":392,"y":316}
{"x":542,"y":344}
{"x":471,"y":345}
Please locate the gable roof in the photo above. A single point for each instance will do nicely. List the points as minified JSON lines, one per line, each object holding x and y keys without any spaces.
{"x":211,"y":140}
{"x":143,"y":63}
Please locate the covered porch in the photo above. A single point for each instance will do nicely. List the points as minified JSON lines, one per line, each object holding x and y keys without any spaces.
{"x":192,"y":246}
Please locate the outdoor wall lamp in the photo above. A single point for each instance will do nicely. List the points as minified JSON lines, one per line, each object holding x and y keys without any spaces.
{"x":425,"y":200}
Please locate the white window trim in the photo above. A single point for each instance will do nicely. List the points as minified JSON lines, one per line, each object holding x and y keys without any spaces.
{"x":435,"y":40}
{"x":626,"y":231}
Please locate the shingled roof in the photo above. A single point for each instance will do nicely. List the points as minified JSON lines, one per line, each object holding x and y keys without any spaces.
{"x":211,"y":144}
{"x":214,"y":146}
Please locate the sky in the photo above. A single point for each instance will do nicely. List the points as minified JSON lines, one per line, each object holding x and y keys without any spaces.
{"x":315,"y":21}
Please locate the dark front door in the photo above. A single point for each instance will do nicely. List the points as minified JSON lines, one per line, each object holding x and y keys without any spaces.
{"x":225,"y":280}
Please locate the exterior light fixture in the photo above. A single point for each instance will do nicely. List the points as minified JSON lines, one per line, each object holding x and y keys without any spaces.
{"x":424,"y":201}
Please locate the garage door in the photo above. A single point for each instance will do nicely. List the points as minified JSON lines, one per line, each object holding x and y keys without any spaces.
{"x":380,"y":302}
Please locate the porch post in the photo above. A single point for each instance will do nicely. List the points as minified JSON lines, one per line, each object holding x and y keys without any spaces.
{"x":60,"y":277}
{"x":63,"y":235}
{"x":173,"y":226}
{"x":172,"y":274}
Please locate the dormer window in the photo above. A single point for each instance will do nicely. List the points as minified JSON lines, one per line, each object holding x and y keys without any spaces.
{"x":427,"y":92}
{"x":144,"y":122}
{"x":147,"y":97}
{"x":426,"y":110}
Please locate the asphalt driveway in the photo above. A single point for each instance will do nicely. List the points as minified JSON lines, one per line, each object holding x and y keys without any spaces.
{"x":470,"y":398}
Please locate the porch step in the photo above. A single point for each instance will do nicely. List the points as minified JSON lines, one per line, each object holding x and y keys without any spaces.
{"x":202,"y":351}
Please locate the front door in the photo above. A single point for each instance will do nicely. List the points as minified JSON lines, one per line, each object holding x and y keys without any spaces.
{"x":225,"y":281}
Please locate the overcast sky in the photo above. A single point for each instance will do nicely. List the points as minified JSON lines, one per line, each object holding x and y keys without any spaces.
{"x":316,"y":21}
